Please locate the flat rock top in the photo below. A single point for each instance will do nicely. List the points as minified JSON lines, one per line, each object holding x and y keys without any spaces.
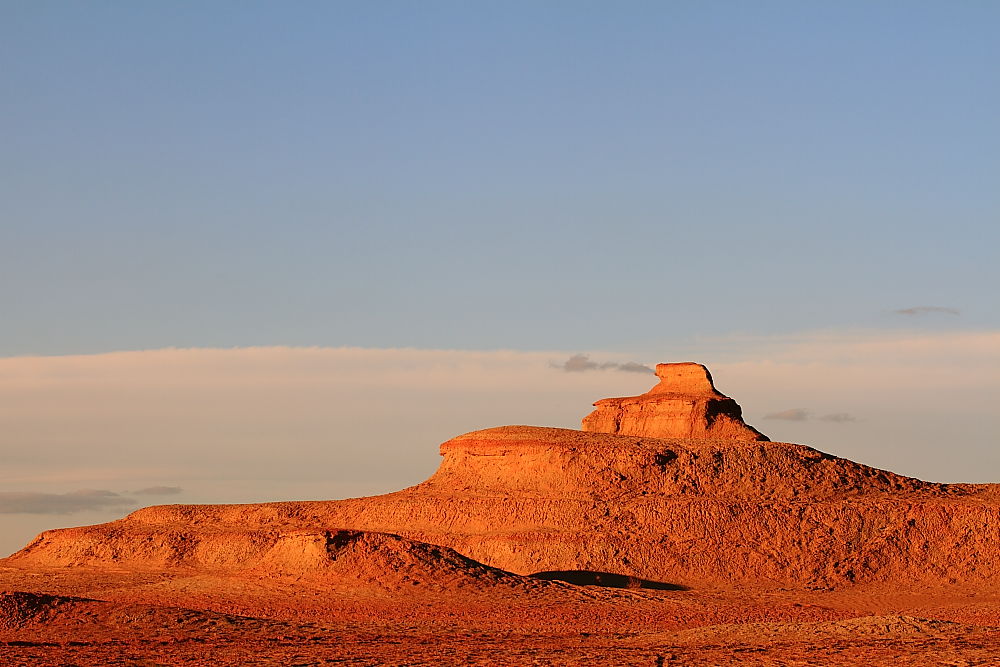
{"x":679,"y":380}
{"x":564,"y":438}
{"x":684,"y":404}
{"x":686,"y":378}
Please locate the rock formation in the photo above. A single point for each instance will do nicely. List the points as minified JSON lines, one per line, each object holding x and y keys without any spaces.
{"x":527,"y":499}
{"x":719,"y":506}
{"x":685,"y":404}
{"x":708,"y":526}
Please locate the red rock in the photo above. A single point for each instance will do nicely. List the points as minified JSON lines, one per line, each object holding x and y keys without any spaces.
{"x":685,"y":404}
{"x":528,"y":499}
{"x":742,"y":540}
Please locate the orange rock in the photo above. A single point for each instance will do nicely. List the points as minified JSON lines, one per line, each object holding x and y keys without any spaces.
{"x":529,"y":499}
{"x":800,"y":556}
{"x":685,"y":404}
{"x":717,"y":506}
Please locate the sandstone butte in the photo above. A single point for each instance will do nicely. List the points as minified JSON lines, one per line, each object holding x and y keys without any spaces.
{"x":684,"y":404}
{"x":667,"y":531}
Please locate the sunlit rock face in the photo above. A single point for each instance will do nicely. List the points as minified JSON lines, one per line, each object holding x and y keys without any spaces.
{"x":685,"y":404}
{"x":679,"y":490}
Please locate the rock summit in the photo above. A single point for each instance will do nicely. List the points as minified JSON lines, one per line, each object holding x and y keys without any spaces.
{"x":685,"y":404}
{"x":680,"y":528}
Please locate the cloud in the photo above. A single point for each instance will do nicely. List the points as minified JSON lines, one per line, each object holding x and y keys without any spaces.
{"x":924,"y":310}
{"x":790,"y":415}
{"x":634,"y":367}
{"x":801,"y":415}
{"x":12,"y":502}
{"x":159,"y":491}
{"x":838,"y":417}
{"x":581,"y":362}
{"x":578,"y":363}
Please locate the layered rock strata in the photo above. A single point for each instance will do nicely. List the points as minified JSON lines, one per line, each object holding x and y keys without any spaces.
{"x":694,"y":511}
{"x":685,"y":404}
{"x":529,"y":499}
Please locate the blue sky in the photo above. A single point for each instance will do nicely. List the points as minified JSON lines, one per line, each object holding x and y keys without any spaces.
{"x":491,"y":175}
{"x":377,"y":225}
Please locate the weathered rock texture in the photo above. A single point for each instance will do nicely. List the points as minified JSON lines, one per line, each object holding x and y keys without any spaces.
{"x":712,"y":546}
{"x":685,"y":404}
{"x":696,"y":511}
{"x":526,"y":499}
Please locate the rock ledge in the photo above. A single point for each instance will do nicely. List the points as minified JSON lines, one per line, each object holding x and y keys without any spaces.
{"x":685,"y":404}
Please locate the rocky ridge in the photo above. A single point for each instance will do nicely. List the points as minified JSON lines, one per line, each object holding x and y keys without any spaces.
{"x":718,"y":506}
{"x":710,"y":546}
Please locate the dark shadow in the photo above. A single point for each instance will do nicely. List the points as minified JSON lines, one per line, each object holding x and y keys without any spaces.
{"x":606,"y":579}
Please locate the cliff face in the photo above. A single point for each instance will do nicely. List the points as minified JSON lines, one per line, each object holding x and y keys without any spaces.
{"x":685,"y":404}
{"x":693,"y":511}
{"x":528,"y":499}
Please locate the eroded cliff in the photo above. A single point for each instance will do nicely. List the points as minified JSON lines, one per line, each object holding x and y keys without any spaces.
{"x":685,"y":404}
{"x":692,"y":511}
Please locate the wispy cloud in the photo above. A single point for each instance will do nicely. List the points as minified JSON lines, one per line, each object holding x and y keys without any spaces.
{"x":801,"y":415}
{"x":838,"y":417}
{"x":159,"y":491}
{"x":581,"y":362}
{"x":790,"y":415}
{"x":12,"y":502}
{"x":634,"y":367}
{"x":925,"y":310}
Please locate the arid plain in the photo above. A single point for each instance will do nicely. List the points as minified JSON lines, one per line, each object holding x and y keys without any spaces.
{"x":666,"y":532}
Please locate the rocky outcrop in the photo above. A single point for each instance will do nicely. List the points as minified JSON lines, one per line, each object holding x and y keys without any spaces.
{"x":685,"y":404}
{"x":697,"y":511}
{"x":526,"y":499}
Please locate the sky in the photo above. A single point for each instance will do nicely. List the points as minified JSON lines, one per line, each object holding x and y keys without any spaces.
{"x":236,"y":236}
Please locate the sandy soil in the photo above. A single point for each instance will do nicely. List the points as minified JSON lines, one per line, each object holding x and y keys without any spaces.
{"x":85,"y":616}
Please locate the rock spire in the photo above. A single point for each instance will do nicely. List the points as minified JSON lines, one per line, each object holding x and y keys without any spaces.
{"x":685,"y":404}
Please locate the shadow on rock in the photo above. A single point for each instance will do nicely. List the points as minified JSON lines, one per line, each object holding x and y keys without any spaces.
{"x":606,"y":579}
